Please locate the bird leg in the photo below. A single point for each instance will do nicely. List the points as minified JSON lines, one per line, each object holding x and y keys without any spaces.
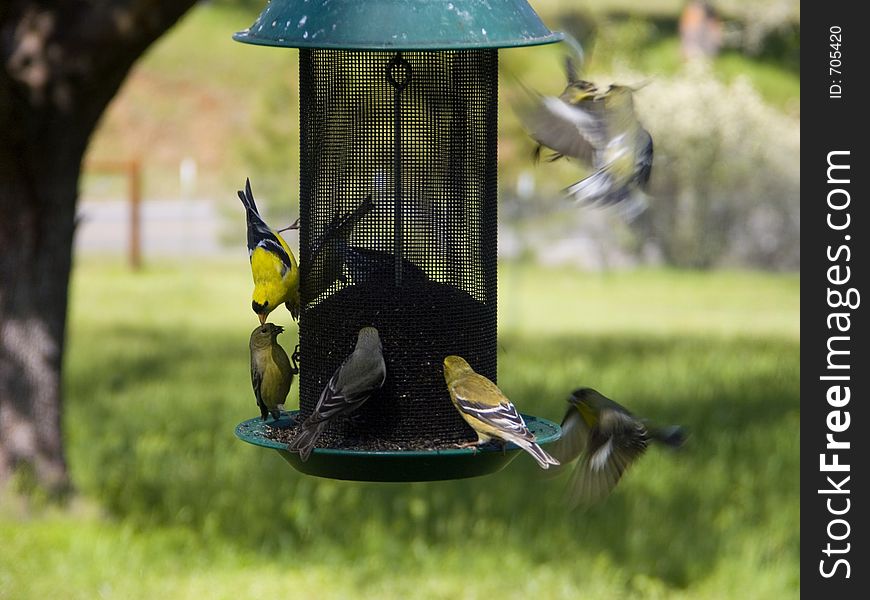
{"x":474,"y":445}
{"x":293,"y":225}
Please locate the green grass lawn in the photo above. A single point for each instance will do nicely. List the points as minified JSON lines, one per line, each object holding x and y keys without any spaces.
{"x":173,"y":506}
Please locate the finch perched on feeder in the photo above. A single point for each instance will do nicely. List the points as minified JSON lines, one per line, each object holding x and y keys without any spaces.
{"x":271,"y":371}
{"x":329,"y":253}
{"x":599,"y":128}
{"x":488,"y":411}
{"x":609,"y":438}
{"x":273,"y":266}
{"x":360,"y":375}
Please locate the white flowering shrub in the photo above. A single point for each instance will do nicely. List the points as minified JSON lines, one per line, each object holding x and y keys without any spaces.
{"x":759,"y":20}
{"x":726,"y":177}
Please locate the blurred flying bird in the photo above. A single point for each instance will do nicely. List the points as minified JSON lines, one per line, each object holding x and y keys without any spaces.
{"x":360,"y":375}
{"x":271,"y":371}
{"x":599,"y":128}
{"x":273,"y":266}
{"x":488,"y":411}
{"x":578,"y":93}
{"x":329,"y":253}
{"x":609,"y":438}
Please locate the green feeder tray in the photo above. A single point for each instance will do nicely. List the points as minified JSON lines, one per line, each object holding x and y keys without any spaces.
{"x":395,"y":465}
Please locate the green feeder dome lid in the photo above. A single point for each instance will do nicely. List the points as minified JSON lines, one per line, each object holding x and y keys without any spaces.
{"x":398,"y":25}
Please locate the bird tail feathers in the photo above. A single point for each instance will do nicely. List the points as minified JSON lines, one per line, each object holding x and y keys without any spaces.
{"x":543,"y":459}
{"x":305,"y":439}
{"x":599,"y":189}
{"x":593,"y":189}
{"x":633,"y":206}
{"x":247,"y":198}
{"x":673,"y":436}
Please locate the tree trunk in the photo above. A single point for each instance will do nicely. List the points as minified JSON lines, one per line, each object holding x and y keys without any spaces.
{"x":60,"y":65}
{"x":36,"y":212}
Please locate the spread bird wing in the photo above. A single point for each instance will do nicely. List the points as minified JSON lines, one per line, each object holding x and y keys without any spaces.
{"x":589,"y":485}
{"x":574,"y":438}
{"x":568,"y":130}
{"x":617,"y":441}
{"x":502,"y":416}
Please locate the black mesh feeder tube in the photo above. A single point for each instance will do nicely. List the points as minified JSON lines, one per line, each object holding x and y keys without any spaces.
{"x":398,"y":136}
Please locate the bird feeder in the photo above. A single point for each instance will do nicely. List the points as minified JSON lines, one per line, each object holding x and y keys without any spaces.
{"x":398,"y":102}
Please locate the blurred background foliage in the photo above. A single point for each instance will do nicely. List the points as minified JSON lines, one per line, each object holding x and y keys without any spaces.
{"x":725,"y":190}
{"x":172,"y":505}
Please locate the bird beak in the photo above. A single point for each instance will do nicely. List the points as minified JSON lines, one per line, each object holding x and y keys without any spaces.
{"x":262,"y":317}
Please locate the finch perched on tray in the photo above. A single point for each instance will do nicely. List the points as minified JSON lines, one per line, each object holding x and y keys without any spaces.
{"x":273,"y":266}
{"x":360,"y":375}
{"x":609,"y":438}
{"x":271,"y":371}
{"x":488,"y":411}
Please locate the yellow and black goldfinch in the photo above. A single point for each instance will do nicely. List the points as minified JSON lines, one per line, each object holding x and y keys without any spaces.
{"x":599,"y":128}
{"x":271,"y":371}
{"x":608,"y":439}
{"x":360,"y":375}
{"x":273,"y":266}
{"x":488,"y":411}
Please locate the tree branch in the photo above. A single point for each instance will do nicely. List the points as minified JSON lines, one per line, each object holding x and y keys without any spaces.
{"x":56,"y":52}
